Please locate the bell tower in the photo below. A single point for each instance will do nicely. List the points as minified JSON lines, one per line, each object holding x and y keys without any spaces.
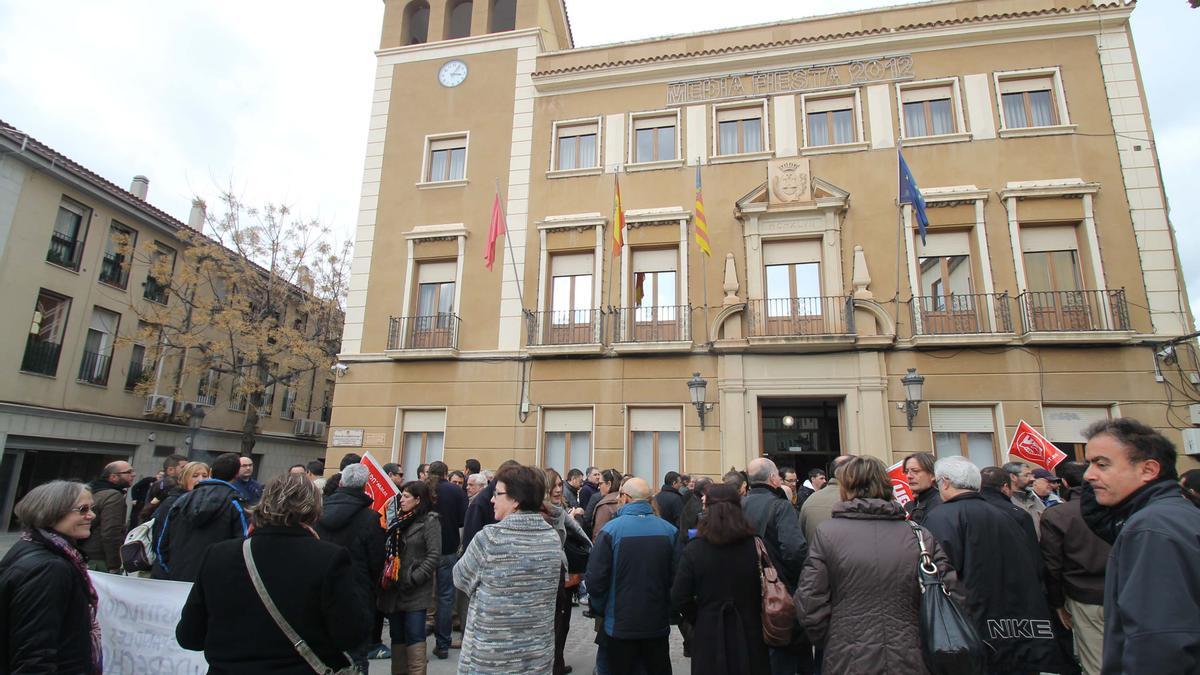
{"x":413,"y":22}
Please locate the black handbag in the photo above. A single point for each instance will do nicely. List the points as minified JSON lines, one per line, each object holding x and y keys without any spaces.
{"x":577,"y":549}
{"x":949,"y":641}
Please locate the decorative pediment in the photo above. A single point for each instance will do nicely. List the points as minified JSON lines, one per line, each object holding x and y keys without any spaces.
{"x":825,"y":195}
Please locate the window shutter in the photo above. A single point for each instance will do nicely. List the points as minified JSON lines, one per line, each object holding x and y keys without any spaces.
{"x":919,"y":94}
{"x":437,"y":272}
{"x":792,"y":251}
{"x":571,"y":265}
{"x":1018,"y":85}
{"x":654,"y":122}
{"x":745,"y":113}
{"x":828,"y":104}
{"x":1065,"y":424}
{"x":557,"y":419}
{"x":1049,"y":238}
{"x":654,"y":419}
{"x":943,"y":244}
{"x":448,"y":143}
{"x":658,"y":260}
{"x":424,"y":420}
{"x":980,"y":419}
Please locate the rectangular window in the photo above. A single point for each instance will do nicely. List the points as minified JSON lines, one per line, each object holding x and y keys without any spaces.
{"x":433,"y":325}
{"x":44,"y":344}
{"x":287,"y":409}
{"x":576,"y":146}
{"x":158,"y":280}
{"x":655,"y":297}
{"x":206,"y":390}
{"x":66,"y":241}
{"x":830,"y":121}
{"x":118,"y":250}
{"x":968,"y":432}
{"x":740,"y":130}
{"x":568,"y":439}
{"x":268,"y":401}
{"x":1064,"y":426}
{"x":238,"y":399}
{"x":1028,"y":102}
{"x":792,"y":271}
{"x":97,"y":347}
{"x":447,"y":159}
{"x":138,"y":368}
{"x":423,"y":439}
{"x":571,"y":300}
{"x":654,"y":442}
{"x":654,"y":139}
{"x":928,"y":111}
{"x":1051,"y":258}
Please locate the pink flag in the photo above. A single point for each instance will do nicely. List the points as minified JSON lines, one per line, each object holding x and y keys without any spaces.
{"x":495,"y":231}
{"x":901,"y":492}
{"x":1031,"y":446}
{"x":379,"y":486}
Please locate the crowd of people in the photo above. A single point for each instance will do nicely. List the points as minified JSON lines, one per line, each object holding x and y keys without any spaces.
{"x":1090,"y":568}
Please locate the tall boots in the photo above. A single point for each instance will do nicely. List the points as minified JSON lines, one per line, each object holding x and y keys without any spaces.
{"x":399,"y":659}
{"x":417,"y":659}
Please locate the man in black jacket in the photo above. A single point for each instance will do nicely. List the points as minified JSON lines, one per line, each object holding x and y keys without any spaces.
{"x":103,"y":548}
{"x":1152,"y":583}
{"x":996,"y":489}
{"x":591,"y":485}
{"x":349,"y":521}
{"x":213,"y":511}
{"x":774,"y":519}
{"x":668,"y":499}
{"x":1002,"y":581}
{"x":918,"y":471}
{"x":451,"y":505}
{"x":480,"y":511}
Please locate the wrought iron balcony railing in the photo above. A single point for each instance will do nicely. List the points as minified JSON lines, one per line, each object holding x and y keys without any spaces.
{"x":93,"y":368}
{"x":671,"y":323}
{"x":41,"y":356}
{"x":435,"y":331}
{"x":63,"y":251}
{"x":112,"y":270}
{"x":964,"y":314}
{"x":1062,"y":311}
{"x":793,"y":317}
{"x":564,"y":327}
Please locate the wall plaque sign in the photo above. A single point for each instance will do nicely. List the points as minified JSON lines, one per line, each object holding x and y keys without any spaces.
{"x":347,"y":438}
{"x":791,"y":80}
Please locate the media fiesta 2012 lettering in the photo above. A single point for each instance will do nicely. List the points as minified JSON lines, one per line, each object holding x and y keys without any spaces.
{"x":791,"y":80}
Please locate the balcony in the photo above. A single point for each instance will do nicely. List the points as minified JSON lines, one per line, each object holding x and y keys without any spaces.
{"x":138,"y":372}
{"x":63,"y":251}
{"x":801,"y":324}
{"x":972,"y":317}
{"x":41,"y":356}
{"x":94,"y":367}
{"x":1075,"y":316}
{"x":154,"y":291}
{"x":112,"y":270}
{"x":572,"y":331}
{"x":643,"y":329}
{"x":428,"y":336}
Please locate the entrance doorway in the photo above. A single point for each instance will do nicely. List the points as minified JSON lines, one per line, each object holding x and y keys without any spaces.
{"x":22,"y":470}
{"x":800,"y":433}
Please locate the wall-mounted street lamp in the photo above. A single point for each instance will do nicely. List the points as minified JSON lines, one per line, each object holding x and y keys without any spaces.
{"x":914,"y":385}
{"x":697,"y":388}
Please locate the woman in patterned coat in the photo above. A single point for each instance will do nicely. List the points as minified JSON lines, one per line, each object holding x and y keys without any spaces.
{"x":510,"y":572}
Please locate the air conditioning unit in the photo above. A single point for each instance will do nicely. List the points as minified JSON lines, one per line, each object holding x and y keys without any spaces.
{"x":183,"y":411}
{"x":158,"y":406}
{"x":303,"y":428}
{"x":319,"y":428}
{"x":1191,"y":441}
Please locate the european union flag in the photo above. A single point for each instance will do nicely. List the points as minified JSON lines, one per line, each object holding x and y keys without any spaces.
{"x":911,"y":194}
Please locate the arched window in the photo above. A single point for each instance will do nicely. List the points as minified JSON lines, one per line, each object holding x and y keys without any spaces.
{"x":503,"y":16}
{"x":416,"y":23}
{"x":458,"y":19}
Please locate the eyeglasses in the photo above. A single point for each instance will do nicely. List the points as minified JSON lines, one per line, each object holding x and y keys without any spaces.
{"x":500,"y":494}
{"x":83,"y":510}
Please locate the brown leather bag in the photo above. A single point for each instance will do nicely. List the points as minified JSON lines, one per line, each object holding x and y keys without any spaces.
{"x":778,"y":608}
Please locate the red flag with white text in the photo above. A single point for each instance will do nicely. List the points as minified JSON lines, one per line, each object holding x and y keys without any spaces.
{"x":901,"y":492}
{"x":379,"y":486}
{"x":1031,"y":446}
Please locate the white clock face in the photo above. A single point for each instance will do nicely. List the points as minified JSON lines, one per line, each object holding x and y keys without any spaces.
{"x":452,"y":73}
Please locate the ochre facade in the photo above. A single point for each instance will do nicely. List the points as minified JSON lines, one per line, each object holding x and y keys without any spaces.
{"x":1047,"y":282}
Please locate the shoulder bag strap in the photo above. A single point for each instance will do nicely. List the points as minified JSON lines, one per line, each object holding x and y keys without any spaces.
{"x":927,"y":572}
{"x":297,"y":642}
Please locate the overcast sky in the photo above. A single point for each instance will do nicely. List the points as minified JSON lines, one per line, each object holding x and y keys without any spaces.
{"x":273,"y":95}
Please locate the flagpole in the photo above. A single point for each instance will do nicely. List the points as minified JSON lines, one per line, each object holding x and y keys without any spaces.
{"x":900,"y":238}
{"x":703,"y":279}
{"x":508,"y":246}
{"x":612,"y":264}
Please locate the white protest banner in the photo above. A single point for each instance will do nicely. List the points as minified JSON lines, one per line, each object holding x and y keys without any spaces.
{"x":137,"y":626}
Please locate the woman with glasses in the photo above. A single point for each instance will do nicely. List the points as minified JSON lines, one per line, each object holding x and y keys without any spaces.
{"x":48,"y":616}
{"x":511,"y":571}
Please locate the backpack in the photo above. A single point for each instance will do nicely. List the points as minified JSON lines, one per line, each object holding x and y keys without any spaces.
{"x":137,"y":553}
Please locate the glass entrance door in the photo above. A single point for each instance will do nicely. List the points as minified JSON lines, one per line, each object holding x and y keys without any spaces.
{"x":800,"y":433}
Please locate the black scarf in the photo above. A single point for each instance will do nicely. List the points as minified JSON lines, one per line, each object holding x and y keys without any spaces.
{"x":1107,"y":522}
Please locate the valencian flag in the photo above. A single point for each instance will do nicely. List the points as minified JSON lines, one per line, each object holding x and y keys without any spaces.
{"x":495,"y":231}
{"x":1031,"y":446}
{"x":699,"y":219}
{"x":618,"y":218}
{"x":911,"y":194}
{"x":901,"y":492}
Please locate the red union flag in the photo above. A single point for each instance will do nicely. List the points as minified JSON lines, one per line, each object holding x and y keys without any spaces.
{"x":379,"y":486}
{"x":1031,"y":446}
{"x":901,"y":492}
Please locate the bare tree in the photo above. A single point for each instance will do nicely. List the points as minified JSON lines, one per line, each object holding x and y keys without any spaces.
{"x":257,"y":298}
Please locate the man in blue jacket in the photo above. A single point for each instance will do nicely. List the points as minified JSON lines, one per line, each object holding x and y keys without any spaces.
{"x":629,"y":576}
{"x":1152,"y":582}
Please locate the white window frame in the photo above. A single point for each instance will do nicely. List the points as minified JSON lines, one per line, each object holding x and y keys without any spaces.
{"x":861,"y":137}
{"x":553,"y":171}
{"x":716,"y":157}
{"x":961,"y":132}
{"x":427,"y":157}
{"x":541,"y":433}
{"x":999,"y":440}
{"x":576,"y":221}
{"x":631,"y":132}
{"x":456,"y":231}
{"x":400,"y":429}
{"x":1060,"y":99}
{"x":627,"y":456}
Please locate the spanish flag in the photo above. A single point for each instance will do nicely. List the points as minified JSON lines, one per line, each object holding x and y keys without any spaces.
{"x":700,"y":220}
{"x":618,"y":218}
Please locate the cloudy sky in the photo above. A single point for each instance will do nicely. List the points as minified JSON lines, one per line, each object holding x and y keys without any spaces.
{"x":272,"y":96}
